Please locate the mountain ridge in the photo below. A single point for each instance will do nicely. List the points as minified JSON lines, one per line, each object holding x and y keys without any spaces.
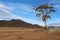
{"x":16,"y":23}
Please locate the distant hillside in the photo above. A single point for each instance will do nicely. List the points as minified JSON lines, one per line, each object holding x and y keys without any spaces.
{"x":16,"y":23}
{"x":54,"y":25}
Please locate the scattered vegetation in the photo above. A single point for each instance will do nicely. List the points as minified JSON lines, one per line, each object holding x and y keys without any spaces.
{"x":18,"y":34}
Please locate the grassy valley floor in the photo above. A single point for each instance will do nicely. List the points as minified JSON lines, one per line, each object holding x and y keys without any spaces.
{"x":14,"y":33}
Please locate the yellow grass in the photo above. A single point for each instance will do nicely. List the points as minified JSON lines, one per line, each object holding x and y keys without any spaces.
{"x":14,"y":33}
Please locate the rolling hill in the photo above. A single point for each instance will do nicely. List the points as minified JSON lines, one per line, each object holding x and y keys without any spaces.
{"x":16,"y":23}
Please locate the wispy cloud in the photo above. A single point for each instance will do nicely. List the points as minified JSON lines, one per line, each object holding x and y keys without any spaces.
{"x":5,"y":12}
{"x":57,"y":20}
{"x":57,"y":6}
{"x":56,"y":3}
{"x":2,"y":6}
{"x":25,"y":7}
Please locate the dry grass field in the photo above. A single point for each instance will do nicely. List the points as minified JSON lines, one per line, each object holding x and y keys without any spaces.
{"x":14,"y":33}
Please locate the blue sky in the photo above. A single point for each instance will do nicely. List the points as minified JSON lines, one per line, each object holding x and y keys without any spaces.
{"x":23,"y":9}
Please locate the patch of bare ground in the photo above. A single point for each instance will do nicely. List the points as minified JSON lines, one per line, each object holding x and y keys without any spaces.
{"x":10,"y":33}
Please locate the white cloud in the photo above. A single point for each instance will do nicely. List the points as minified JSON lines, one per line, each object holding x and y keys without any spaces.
{"x":1,"y":18}
{"x":5,"y":7}
{"x":5,"y":10}
{"x":25,"y":7}
{"x":57,"y":20}
{"x":6,"y":13}
{"x":57,"y":6}
{"x":56,"y":3}
{"x":51,"y":1}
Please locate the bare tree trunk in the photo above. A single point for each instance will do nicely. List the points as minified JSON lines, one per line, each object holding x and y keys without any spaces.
{"x":46,"y":25}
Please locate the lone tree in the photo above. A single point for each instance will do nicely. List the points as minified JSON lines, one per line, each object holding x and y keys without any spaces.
{"x":44,"y":11}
